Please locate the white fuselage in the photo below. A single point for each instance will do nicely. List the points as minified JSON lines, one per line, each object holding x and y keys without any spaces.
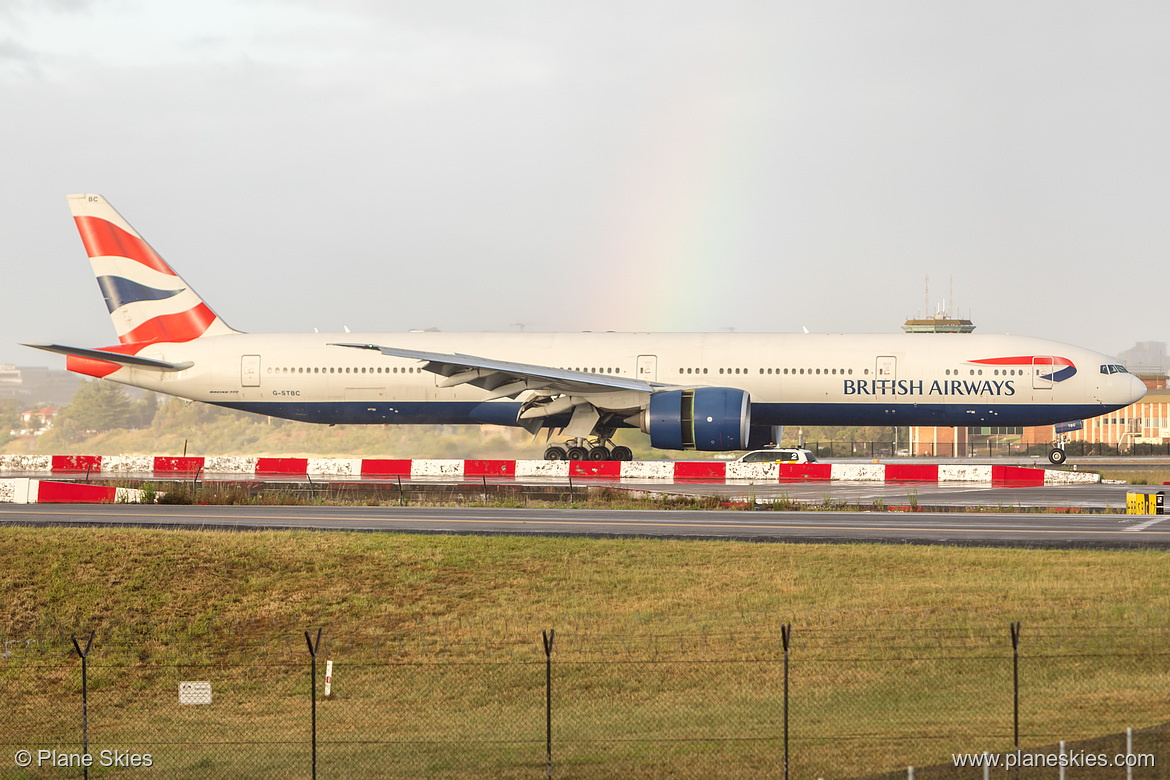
{"x":809,"y":379}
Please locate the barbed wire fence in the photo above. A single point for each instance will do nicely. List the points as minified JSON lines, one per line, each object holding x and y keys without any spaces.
{"x":830,"y":695}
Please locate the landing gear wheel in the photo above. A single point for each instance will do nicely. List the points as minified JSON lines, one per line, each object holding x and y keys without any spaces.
{"x":622,"y":453}
{"x":1057,"y":457}
{"x":599,"y":453}
{"x":577,"y":453}
{"x":554,"y":453}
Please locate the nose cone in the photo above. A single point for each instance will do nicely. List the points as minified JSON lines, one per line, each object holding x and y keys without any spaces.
{"x":1136,"y":389}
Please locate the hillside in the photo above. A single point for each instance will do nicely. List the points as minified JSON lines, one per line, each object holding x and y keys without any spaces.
{"x":209,"y":430}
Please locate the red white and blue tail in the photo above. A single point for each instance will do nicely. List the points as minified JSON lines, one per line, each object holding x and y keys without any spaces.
{"x":148,"y":301}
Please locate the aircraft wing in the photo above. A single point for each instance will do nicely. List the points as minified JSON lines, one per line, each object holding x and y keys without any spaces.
{"x":592,"y":401}
{"x":113,"y":357}
{"x":491,"y":374}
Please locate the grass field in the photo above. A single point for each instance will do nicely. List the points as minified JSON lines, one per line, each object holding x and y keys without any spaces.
{"x":1157,"y":474}
{"x":667,"y":659}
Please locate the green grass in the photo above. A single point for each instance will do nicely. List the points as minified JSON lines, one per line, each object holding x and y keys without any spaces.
{"x":1154,"y":475}
{"x":667,"y":654}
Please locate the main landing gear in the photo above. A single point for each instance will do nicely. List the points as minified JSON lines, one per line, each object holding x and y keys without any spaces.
{"x":583,"y":449}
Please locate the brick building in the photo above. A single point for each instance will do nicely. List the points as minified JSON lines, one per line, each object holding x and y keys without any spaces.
{"x":1146,"y":422}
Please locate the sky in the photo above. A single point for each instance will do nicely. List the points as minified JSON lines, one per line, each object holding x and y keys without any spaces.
{"x":674,"y":165}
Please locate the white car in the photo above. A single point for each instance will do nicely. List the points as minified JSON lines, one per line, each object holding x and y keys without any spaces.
{"x":779,"y":455}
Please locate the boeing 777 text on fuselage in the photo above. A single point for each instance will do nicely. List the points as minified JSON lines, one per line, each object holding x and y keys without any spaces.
{"x":688,"y":391}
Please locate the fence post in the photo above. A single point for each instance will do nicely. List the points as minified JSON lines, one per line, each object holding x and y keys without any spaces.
{"x":548,"y":636}
{"x":84,"y":699}
{"x":1128,"y":752}
{"x":1015,"y":629}
{"x":313,"y":648}
{"x":786,"y":637}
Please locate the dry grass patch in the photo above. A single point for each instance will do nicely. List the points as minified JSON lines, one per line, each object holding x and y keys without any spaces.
{"x":667,"y":659}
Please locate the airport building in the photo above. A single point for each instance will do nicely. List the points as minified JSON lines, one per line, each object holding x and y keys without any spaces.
{"x":37,"y":384}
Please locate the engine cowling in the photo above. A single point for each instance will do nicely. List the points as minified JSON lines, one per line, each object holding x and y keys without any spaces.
{"x":706,"y":418}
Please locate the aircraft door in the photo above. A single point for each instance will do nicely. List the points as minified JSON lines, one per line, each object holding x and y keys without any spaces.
{"x":887,"y":368}
{"x":1042,"y":367}
{"x":648,"y":368}
{"x":250,"y":371}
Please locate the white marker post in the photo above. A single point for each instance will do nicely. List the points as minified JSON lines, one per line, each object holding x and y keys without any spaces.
{"x":328,"y":677}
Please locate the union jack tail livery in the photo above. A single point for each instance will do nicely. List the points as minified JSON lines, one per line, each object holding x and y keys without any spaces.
{"x":148,"y":301}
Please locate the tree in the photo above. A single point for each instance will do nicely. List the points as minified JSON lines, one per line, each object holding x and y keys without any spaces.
{"x":142,"y":412}
{"x":9,"y":416}
{"x":96,"y":406}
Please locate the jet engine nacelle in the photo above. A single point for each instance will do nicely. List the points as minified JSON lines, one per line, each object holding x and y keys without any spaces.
{"x":706,"y":418}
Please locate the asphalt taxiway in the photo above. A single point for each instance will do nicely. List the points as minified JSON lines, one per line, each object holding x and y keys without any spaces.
{"x":954,"y":528}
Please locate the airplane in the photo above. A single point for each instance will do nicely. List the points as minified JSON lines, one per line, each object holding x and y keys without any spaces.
{"x":687,"y":391}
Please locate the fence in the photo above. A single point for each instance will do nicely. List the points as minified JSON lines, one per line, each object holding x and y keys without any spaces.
{"x":991,"y":448}
{"x":584,"y":701}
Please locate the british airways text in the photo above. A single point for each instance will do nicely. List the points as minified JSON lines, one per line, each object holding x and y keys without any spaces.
{"x":918,"y":387}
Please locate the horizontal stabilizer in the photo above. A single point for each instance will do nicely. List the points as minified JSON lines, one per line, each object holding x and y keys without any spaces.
{"x":114,"y":357}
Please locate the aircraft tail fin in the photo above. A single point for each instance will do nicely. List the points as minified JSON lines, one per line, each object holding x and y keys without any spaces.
{"x":147,"y":300}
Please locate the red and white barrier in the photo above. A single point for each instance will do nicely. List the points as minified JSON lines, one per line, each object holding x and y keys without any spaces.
{"x":22,"y":490}
{"x":641,"y":470}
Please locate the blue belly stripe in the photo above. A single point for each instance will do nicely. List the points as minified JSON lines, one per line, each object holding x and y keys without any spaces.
{"x":504,"y":413}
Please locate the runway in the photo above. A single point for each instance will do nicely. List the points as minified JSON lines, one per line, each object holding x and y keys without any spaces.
{"x":970,"y":529}
{"x":926,"y":494}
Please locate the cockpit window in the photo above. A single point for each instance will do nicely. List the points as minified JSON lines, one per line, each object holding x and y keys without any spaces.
{"x":1113,"y":369}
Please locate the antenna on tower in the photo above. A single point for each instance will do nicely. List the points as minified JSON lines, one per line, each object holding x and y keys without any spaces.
{"x":926,"y":299}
